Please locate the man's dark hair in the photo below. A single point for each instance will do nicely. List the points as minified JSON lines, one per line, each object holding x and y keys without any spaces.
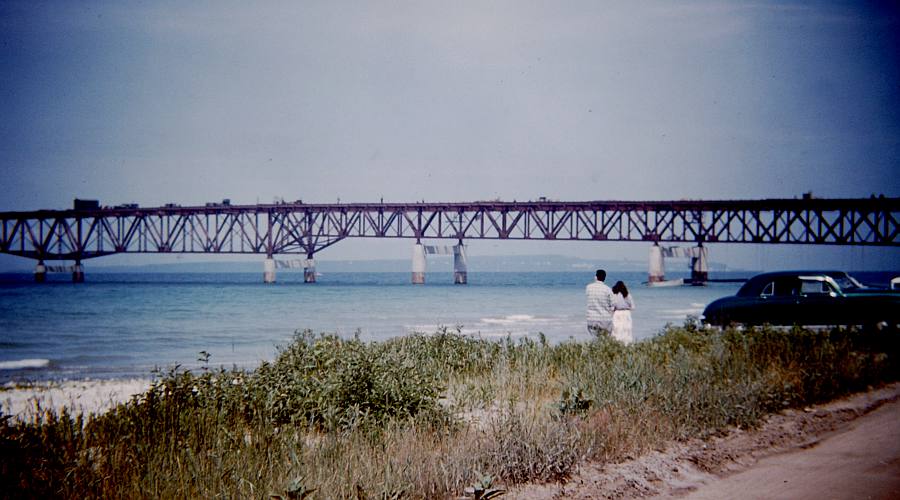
{"x":601,"y":274}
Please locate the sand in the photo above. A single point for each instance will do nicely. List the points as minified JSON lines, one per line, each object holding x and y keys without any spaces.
{"x":862,"y":461}
{"x":85,"y":396}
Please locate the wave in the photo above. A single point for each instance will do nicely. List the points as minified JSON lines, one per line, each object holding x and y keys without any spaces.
{"x":22,"y":364}
{"x":514,"y":319}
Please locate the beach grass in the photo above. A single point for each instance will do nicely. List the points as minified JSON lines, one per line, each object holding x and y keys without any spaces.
{"x":431,"y":416}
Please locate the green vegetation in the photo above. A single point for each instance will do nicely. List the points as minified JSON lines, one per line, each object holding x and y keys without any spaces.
{"x":430,"y":416}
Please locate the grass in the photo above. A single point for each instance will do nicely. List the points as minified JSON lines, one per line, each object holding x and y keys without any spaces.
{"x":430,"y":416}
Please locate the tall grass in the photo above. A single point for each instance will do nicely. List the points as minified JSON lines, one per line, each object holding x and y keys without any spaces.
{"x":428,"y":416}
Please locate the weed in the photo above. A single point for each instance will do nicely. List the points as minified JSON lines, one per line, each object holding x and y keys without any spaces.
{"x":484,"y":489}
{"x":386,"y":419}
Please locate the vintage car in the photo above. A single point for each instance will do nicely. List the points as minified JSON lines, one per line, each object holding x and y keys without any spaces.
{"x":805,"y":298}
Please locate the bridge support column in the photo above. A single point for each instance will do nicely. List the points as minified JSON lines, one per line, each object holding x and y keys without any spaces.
{"x":418,"y":264}
{"x":657,"y":272}
{"x":77,"y":272}
{"x":700,"y":265}
{"x":40,"y":272}
{"x":309,"y":270}
{"x":460,"y":265}
{"x":269,"y":270}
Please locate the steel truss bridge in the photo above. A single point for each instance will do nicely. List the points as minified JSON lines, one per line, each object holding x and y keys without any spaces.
{"x":298,"y":228}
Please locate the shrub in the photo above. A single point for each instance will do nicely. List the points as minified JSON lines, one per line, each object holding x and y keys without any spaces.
{"x":426,"y":416}
{"x":334,"y":383}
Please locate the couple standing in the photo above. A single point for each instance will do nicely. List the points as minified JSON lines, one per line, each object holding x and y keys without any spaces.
{"x":609,"y":309}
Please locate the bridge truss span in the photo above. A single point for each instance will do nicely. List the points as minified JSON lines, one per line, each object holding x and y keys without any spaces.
{"x":309,"y":228}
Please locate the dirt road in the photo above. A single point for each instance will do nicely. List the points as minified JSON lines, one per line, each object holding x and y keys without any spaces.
{"x":860,"y":461}
{"x":849,"y":448}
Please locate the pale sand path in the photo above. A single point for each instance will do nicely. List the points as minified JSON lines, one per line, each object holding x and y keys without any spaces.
{"x":862,"y":461}
{"x":83,"y":396}
{"x":849,"y":448}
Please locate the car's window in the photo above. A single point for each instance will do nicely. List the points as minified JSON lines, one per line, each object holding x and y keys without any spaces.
{"x":847,"y":282}
{"x":786,"y":287}
{"x":780,"y":288}
{"x":854,"y":283}
{"x":814,"y":287}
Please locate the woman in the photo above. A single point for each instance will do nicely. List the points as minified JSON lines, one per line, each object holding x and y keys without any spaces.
{"x":623,"y":303}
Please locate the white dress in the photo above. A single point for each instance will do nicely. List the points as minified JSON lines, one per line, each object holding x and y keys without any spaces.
{"x":621,"y":329}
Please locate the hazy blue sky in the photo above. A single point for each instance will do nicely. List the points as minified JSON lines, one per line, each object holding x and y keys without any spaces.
{"x":187,"y":102}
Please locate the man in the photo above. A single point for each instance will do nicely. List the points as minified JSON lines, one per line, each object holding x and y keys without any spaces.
{"x":599,"y":304}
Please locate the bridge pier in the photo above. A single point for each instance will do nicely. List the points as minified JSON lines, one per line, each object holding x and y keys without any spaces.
{"x":40,"y":272}
{"x":269,"y":270}
{"x":77,"y":272}
{"x":657,"y":270}
{"x":418,"y":264}
{"x":700,"y":265}
{"x":460,"y":265}
{"x":309,"y":270}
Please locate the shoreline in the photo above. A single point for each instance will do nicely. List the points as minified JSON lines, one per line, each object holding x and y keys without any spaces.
{"x":88,"y":396}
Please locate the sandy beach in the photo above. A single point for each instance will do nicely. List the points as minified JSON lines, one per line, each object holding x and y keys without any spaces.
{"x":85,"y":396}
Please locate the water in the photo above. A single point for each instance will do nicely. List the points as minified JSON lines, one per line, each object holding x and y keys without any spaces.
{"x":125,"y":325}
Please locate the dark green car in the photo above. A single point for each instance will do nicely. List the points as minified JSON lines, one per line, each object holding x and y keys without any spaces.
{"x":805,"y":298}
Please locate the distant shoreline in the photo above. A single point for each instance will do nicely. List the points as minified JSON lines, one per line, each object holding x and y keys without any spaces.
{"x":877,"y":278}
{"x":483,"y":263}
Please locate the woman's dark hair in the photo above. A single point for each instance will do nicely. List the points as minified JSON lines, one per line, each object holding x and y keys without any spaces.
{"x":619,"y":287}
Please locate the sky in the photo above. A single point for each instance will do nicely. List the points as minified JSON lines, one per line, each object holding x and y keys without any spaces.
{"x":189,"y":102}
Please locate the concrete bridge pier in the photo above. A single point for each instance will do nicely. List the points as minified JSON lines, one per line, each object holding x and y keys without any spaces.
{"x":418,"y":264}
{"x":700,"y":265}
{"x":460,"y":265}
{"x":309,"y":270}
{"x":269,"y":270}
{"x":657,"y":272}
{"x":40,"y":272}
{"x":77,"y":272}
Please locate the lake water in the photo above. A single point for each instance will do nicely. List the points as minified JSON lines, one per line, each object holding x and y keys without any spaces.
{"x":125,"y":325}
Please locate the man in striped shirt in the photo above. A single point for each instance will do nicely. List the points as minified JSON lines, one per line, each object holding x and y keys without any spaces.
{"x":599,"y":304}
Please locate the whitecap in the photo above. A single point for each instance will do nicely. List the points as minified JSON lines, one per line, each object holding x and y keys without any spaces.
{"x":515,"y":318}
{"x":520,"y":317}
{"x":21,"y":364}
{"x":497,"y":321}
